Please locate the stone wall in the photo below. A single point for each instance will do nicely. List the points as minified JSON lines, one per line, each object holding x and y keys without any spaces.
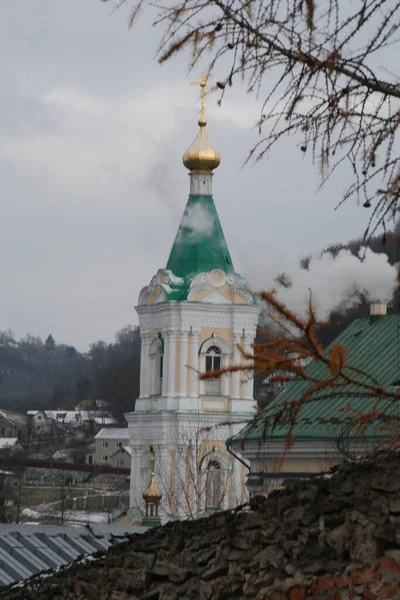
{"x":333,"y":537}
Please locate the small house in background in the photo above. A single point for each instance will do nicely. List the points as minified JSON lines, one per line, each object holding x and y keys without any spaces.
{"x":372,"y":345}
{"x":121,"y":457}
{"x":40,"y":423}
{"x":45,"y":421}
{"x":108,"y":442}
{"x":13,"y":424}
{"x":64,"y":418}
{"x":94,"y":420}
{"x":10,"y":444}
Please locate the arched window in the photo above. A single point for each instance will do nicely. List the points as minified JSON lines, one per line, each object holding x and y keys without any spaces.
{"x":213,"y":485}
{"x":213,"y":363}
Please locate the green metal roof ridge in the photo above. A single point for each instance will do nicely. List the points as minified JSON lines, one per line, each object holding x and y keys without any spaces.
{"x":373,"y":347}
{"x":200,"y":244}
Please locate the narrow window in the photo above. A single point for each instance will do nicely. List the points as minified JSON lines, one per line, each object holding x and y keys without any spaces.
{"x":160,"y":370}
{"x":213,"y":363}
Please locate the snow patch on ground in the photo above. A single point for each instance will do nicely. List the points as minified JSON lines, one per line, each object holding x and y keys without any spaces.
{"x":69,"y":517}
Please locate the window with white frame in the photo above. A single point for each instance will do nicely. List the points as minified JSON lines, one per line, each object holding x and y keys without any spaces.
{"x":120,"y":463}
{"x":213,"y":363}
{"x":105,"y":444}
{"x":118,"y":444}
{"x":105,"y":458}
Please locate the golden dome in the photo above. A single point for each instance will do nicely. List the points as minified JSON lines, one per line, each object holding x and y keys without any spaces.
{"x":201,"y":157}
{"x":152,"y":494}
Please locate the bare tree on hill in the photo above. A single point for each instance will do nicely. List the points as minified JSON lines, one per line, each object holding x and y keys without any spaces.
{"x":325,"y":72}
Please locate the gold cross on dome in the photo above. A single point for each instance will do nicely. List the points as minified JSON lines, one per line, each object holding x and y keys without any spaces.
{"x":203,"y":84}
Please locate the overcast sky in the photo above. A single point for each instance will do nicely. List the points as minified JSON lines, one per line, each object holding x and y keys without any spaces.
{"x":92,"y":134}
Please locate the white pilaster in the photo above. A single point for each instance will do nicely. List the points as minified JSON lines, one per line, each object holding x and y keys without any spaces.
{"x":183,"y":363}
{"x":144,"y":364}
{"x":202,"y":369}
{"x":170,"y":359}
{"x":201,"y":184}
{"x":194,"y":362}
{"x":163,"y":478}
{"x":147,"y":367}
{"x":135,"y":496}
{"x":236,"y":359}
{"x":181,"y":487}
{"x":248,"y":381}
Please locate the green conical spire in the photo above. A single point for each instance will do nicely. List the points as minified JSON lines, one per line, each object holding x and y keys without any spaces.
{"x":200,"y":244}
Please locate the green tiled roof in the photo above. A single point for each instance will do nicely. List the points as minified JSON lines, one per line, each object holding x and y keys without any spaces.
{"x":373,"y":347}
{"x":200,"y":244}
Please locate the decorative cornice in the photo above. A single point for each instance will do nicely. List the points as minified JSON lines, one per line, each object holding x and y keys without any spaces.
{"x":198,"y":320}
{"x":244,"y":293}
{"x":196,"y":289}
{"x":248,"y":337}
{"x":171,"y":334}
{"x":145,"y":337}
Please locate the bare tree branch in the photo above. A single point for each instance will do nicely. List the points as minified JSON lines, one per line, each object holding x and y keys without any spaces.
{"x":322,"y":71}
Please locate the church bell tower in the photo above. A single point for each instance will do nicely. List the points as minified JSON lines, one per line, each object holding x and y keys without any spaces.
{"x":194,"y":317}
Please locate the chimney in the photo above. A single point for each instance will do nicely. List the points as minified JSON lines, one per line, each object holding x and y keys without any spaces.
{"x":377,"y":308}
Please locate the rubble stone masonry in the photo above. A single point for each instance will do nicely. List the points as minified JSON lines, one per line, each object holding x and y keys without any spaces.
{"x":330,"y":538}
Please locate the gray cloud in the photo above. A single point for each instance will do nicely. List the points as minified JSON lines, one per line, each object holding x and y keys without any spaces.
{"x":93,"y":187}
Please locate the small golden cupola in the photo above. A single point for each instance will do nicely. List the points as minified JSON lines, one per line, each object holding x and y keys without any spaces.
{"x":201,"y":157}
{"x":152,"y":496}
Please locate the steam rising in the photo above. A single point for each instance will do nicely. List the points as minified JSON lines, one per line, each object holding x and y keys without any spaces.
{"x":198,"y":223}
{"x":335,"y":282}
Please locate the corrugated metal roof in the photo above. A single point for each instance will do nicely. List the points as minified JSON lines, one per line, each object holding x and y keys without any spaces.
{"x":113,"y":433}
{"x":373,"y":347}
{"x":26,"y":550}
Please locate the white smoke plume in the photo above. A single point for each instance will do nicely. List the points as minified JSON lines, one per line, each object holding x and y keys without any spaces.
{"x":335,"y":282}
{"x":198,"y":222}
